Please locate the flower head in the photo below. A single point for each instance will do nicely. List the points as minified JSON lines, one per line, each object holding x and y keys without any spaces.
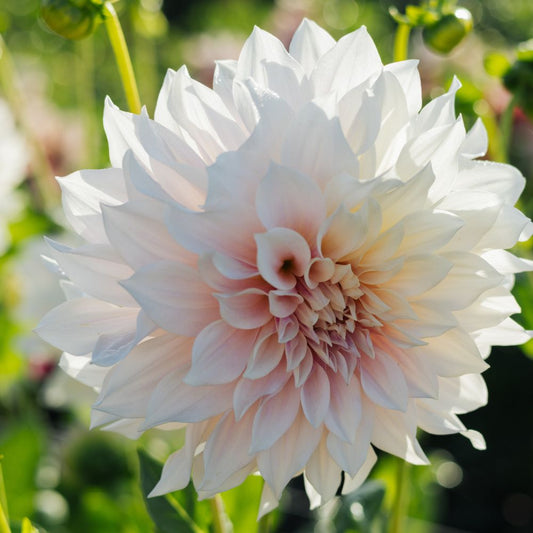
{"x":294,"y":267}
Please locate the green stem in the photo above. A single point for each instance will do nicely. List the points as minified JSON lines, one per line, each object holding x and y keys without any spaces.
{"x":401,"y":42}
{"x":4,"y":516}
{"x":120,"y":49}
{"x":42,"y":171}
{"x":399,"y":507}
{"x":183,"y":514}
{"x":219,"y":515}
{"x":506,"y":128}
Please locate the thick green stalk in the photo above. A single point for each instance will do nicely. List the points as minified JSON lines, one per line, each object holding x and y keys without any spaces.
{"x":401,"y":498}
{"x":219,"y":515}
{"x":401,"y":42}
{"x":120,"y":49}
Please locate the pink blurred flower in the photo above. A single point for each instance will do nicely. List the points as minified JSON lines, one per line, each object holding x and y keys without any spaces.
{"x":294,"y":268}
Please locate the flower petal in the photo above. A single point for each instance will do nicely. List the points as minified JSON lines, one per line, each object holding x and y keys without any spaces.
{"x":282,"y":254}
{"x":247,"y":309}
{"x":274,"y":417}
{"x":309,"y":43}
{"x":288,"y":199}
{"x":174,"y":297}
{"x":219,"y":354}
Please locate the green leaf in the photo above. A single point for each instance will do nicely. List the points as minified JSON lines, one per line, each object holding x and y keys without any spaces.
{"x":168,"y":515}
{"x":496,"y":64}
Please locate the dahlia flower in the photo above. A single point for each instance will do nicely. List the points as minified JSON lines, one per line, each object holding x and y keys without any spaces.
{"x":293,"y":268}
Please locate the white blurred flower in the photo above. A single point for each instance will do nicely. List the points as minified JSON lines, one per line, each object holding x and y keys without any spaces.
{"x":295,"y":267}
{"x":13,"y":162}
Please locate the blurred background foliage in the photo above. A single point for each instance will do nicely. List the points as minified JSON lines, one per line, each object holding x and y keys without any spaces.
{"x":67,"y":479}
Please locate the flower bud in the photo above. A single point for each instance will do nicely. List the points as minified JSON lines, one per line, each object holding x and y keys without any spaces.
{"x":72,"y":19}
{"x":446,"y":33}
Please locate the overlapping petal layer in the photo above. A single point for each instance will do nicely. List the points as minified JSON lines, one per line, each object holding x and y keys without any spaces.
{"x":292,"y":268}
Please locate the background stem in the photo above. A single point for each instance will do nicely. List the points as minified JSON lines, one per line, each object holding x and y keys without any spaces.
{"x":401,"y":498}
{"x":401,"y":42}
{"x":219,"y":518}
{"x":120,"y":49}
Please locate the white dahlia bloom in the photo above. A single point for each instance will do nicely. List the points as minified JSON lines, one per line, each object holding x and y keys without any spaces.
{"x":293,"y":268}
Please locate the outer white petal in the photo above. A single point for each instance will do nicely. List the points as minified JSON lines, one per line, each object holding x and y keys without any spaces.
{"x":130,"y":383}
{"x":352,"y":60}
{"x":274,"y":417}
{"x":476,"y":142}
{"x":440,"y":111}
{"x":81,"y":369}
{"x":409,"y":78}
{"x":174,"y":297}
{"x":288,"y":199}
{"x":452,"y":354}
{"x":315,"y":145}
{"x":219,"y":354}
{"x":76,"y":325}
{"x":176,"y":472}
{"x":228,"y":229}
{"x":309,"y":43}
{"x":395,"y":432}
{"x":507,"y":333}
{"x":248,"y":391}
{"x":223,"y":77}
{"x":84,"y":192}
{"x":289,"y":455}
{"x":226,"y":451}
{"x":96,"y":268}
{"x":315,"y":396}
{"x":175,"y":401}
{"x":353,"y":483}
{"x":351,"y":456}
{"x":383,"y":382}
{"x":264,"y":59}
{"x":345,"y":408}
{"x":323,"y":473}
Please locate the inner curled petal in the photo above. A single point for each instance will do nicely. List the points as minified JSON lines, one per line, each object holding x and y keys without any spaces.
{"x":282,"y":254}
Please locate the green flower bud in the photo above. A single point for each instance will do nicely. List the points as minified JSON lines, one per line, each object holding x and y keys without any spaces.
{"x":72,"y":19}
{"x":445,"y":34}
